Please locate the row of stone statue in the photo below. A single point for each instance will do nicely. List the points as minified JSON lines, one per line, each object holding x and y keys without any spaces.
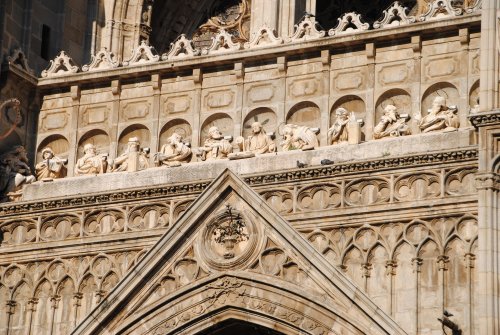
{"x":15,"y":171}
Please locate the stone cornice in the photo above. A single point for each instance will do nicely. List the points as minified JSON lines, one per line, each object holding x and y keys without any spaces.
{"x":485,"y":119}
{"x":488,"y":181}
{"x":259,"y":179}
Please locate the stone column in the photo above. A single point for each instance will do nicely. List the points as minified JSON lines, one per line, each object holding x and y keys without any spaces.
{"x":488,"y":94}
{"x":488,"y":254}
{"x":264,"y":12}
{"x":73,"y":139}
{"x":155,"y":131}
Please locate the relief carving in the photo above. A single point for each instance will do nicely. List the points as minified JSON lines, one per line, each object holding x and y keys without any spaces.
{"x":260,"y":93}
{"x":439,"y":117}
{"x":298,"y":137}
{"x":219,"y":99}
{"x":221,"y":43}
{"x":306,"y":30}
{"x":177,"y":104}
{"x":133,"y":159}
{"x":174,"y":152}
{"x":264,"y":37}
{"x":395,"y":15}
{"x":259,"y":142}
{"x":345,"y":129}
{"x":391,"y":124}
{"x":216,"y":146}
{"x":53,"y":121}
{"x":136,"y":110}
{"x":436,"y":9}
{"x":103,"y":60}
{"x":91,"y":163}
{"x":62,"y":64}
{"x":14,"y":173}
{"x":94,"y":115}
{"x":441,"y":67}
{"x":393,"y":74}
{"x":349,"y":23}
{"x":304,"y":87}
{"x":143,"y":54}
{"x":348,"y":80}
{"x":181,"y":48}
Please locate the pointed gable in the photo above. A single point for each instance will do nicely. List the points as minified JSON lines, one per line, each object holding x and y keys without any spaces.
{"x":230,"y":252}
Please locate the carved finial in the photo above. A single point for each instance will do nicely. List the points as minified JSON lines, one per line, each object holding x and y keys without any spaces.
{"x":62,"y":64}
{"x":18,"y":58}
{"x":439,"y":9}
{"x":143,"y":54}
{"x":395,"y":15}
{"x":103,"y":60}
{"x":264,"y":37}
{"x":181,"y":48}
{"x":349,"y":23}
{"x":307,"y":29}
{"x":222,"y":42}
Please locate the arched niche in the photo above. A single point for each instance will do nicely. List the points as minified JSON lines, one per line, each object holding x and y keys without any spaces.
{"x":474,"y":96}
{"x":399,"y":98}
{"x":304,"y":114}
{"x":58,"y":143}
{"x":443,"y":89}
{"x":265,"y":116}
{"x":221,"y":120}
{"x":98,"y":137}
{"x":179,"y":126}
{"x":136,"y":130}
{"x":352,"y":103}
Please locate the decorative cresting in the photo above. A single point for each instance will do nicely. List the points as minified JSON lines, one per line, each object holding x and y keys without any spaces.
{"x":264,"y":37}
{"x":221,"y":43}
{"x":439,"y":9}
{"x":11,"y":121}
{"x":62,"y":64}
{"x":471,"y":6}
{"x":18,"y":58}
{"x":308,"y":29}
{"x":181,"y":48}
{"x":229,"y":241}
{"x":349,"y":23}
{"x":395,"y":15}
{"x":143,"y":54}
{"x":103,"y":60}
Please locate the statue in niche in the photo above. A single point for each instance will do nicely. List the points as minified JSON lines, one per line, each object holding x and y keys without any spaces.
{"x":440,"y":117}
{"x":173,"y":153}
{"x":14,"y":173}
{"x":215,"y":146}
{"x":51,"y":166}
{"x":133,"y":159}
{"x":338,"y":131}
{"x":91,"y":163}
{"x":299,"y":138}
{"x":391,"y":124}
{"x":259,"y":142}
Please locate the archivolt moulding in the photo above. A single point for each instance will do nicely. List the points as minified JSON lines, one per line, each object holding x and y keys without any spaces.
{"x":103,"y":60}
{"x":222,"y":42}
{"x":18,"y":58}
{"x":350,"y":22}
{"x":264,"y":37}
{"x":440,"y":9}
{"x":307,"y":30}
{"x":60,"y":65}
{"x":143,"y":54}
{"x":181,"y":48}
{"x":395,"y":15}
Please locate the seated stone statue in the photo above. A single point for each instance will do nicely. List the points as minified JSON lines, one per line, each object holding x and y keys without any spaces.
{"x":391,"y":124}
{"x":338,"y":131}
{"x":133,"y":159}
{"x":91,"y":163}
{"x":259,"y":142}
{"x":14,"y":173}
{"x":215,"y":146}
{"x":298,"y":138}
{"x":174,"y":152}
{"x":440,"y":117}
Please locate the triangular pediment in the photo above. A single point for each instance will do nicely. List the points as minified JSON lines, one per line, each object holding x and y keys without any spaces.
{"x":231,"y":252}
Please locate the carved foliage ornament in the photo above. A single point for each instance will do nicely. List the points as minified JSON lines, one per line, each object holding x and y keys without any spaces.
{"x":307,"y":30}
{"x":349,"y":23}
{"x":440,"y":9}
{"x":181,"y":48}
{"x":103,"y":60}
{"x":264,"y":37}
{"x":18,"y":58}
{"x":393,"y":16}
{"x":222,"y":42}
{"x":62,"y":64}
{"x":144,"y":53}
{"x":471,"y":6}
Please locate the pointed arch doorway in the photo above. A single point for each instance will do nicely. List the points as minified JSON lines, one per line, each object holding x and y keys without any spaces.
{"x":238,"y":327}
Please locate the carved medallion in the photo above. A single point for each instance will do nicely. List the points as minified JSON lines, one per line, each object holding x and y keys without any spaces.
{"x":229,"y":240}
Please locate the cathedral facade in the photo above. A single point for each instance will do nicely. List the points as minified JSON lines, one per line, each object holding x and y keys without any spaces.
{"x":253,"y":166}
